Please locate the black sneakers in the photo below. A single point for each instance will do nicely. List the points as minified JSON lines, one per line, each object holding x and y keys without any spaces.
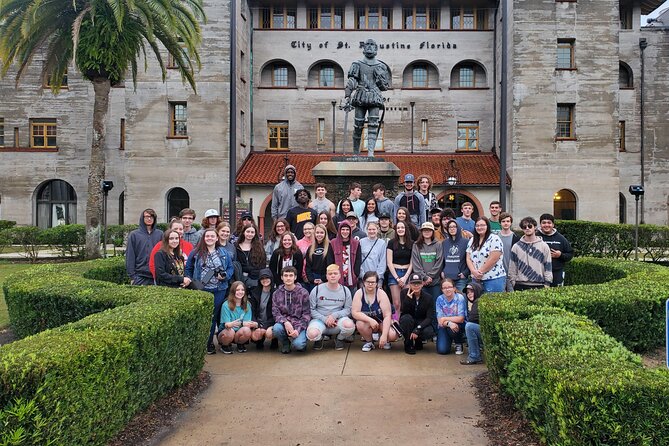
{"x":211,"y":349}
{"x":226,"y":349}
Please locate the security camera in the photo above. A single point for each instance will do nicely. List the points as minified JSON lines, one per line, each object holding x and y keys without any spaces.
{"x":107,"y":185}
{"x":636,"y":190}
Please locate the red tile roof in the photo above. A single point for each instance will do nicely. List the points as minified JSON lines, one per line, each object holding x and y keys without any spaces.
{"x":476,"y":169}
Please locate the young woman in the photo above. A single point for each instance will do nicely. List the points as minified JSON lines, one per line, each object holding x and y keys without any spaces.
{"x":455,"y":255}
{"x":316,"y":257}
{"x":288,"y":254}
{"x":484,"y":258}
{"x":236,"y":320}
{"x":424,"y":186}
{"x":398,"y":258}
{"x":170,"y":263}
{"x":279,"y":227}
{"x":373,"y":252}
{"x":427,"y":259}
{"x":403,"y":215}
{"x":472,"y":328}
{"x":305,"y":242}
{"x":250,"y":255}
{"x":209,"y":264}
{"x":345,"y":252}
{"x":246,"y":219}
{"x":451,"y":312}
{"x":260,"y":299}
{"x":325,"y":219}
{"x":223,"y":231}
{"x":345,"y":206}
{"x":371,"y":213}
{"x":372,"y":313}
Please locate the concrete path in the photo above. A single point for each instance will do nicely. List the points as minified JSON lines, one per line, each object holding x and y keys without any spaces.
{"x":333,"y":397}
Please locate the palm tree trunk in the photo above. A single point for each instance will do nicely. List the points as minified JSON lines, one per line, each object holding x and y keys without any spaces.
{"x":96,"y":168}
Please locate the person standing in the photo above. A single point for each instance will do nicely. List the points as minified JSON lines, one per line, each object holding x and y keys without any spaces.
{"x":138,"y":251}
{"x":384,"y":204}
{"x":455,"y":256}
{"x":427,"y":259}
{"x":315,"y":260}
{"x":321,"y":203}
{"x":412,"y":200}
{"x":187,"y":217}
{"x":356,"y":232}
{"x":430,"y":199}
{"x":345,"y":252}
{"x":508,"y":238}
{"x":170,"y":263}
{"x":283,"y":196}
{"x":398,"y":260}
{"x":495,"y":209}
{"x":299,"y":215}
{"x":357,"y":205}
{"x":386,"y":231}
{"x":292,"y":312}
{"x":465,"y":221}
{"x":288,"y":254}
{"x":373,"y":252}
{"x":484,"y":258}
{"x":330,"y":311}
{"x":184,"y":246}
{"x":530,"y":266}
{"x":561,"y":250}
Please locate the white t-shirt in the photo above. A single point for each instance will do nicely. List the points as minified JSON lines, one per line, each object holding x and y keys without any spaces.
{"x":479,"y":257}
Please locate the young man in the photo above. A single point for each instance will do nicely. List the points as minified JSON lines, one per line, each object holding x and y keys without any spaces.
{"x":299,"y":215}
{"x":345,"y":252}
{"x":509,"y":238}
{"x":187,"y":217}
{"x":465,"y":221}
{"x":291,"y":311}
{"x":356,"y":232}
{"x":417,"y":312}
{"x":435,"y":218}
{"x":530,"y":265}
{"x":330,"y":311}
{"x":355,"y":190}
{"x":140,"y":243}
{"x":383,"y":204}
{"x":495,"y":209}
{"x":386,"y":232}
{"x":186,"y":247}
{"x":561,"y":251}
{"x":283,"y":196}
{"x":412,"y":200}
{"x":320,"y":203}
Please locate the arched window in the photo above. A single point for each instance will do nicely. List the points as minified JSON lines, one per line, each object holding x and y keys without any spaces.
{"x":625,"y":76}
{"x":56,"y":204}
{"x":622,"y":208}
{"x":177,"y":199}
{"x":278,"y":73}
{"x":420,"y":74}
{"x":454,"y":200}
{"x":468,"y":74}
{"x":326,"y":74}
{"x":564,"y":205}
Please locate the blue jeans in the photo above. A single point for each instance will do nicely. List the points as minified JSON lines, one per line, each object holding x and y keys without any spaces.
{"x":434,"y":290}
{"x":299,"y":343}
{"x":445,"y":336}
{"x":474,"y":342}
{"x":497,"y":285}
{"x":219,"y":298}
{"x":460,"y":284}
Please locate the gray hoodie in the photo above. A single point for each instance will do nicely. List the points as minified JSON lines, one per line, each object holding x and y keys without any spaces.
{"x":140,"y":244}
{"x":283,"y":197}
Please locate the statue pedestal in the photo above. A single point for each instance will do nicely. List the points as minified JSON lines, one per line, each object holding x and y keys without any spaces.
{"x":338,"y":173}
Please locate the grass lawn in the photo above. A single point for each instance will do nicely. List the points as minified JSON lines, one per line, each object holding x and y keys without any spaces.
{"x":5,"y":270}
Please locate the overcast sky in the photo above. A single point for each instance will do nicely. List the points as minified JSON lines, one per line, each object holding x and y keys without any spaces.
{"x":662,"y":7}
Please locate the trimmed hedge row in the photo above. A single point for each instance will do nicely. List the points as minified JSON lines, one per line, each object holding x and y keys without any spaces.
{"x":124,"y":347}
{"x":573,"y":375}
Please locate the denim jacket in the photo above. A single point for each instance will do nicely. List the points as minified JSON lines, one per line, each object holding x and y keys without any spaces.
{"x":194,"y":267}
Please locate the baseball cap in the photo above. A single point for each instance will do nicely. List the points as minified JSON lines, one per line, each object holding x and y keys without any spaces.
{"x":408,"y":178}
{"x":350,"y":214}
{"x":427,"y":225}
{"x":384,"y":215}
{"x":246,"y":215}
{"x":211,"y":213}
{"x":265,"y":273}
{"x":415,"y":278}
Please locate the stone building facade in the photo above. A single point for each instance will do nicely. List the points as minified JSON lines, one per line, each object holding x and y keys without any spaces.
{"x":573,"y":116}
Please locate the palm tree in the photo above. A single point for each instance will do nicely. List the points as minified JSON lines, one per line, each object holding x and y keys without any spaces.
{"x":103,"y":39}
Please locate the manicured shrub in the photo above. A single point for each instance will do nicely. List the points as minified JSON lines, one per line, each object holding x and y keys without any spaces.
{"x":70,"y":240}
{"x":80,"y":383}
{"x":6,"y":224}
{"x":28,"y":237}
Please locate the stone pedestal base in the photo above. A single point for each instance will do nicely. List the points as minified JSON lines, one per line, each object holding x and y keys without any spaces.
{"x":339,"y":173}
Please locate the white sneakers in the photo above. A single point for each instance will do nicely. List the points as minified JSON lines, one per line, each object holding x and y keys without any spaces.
{"x":368,"y":347}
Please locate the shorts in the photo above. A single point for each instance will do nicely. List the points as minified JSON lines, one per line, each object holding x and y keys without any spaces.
{"x":400,"y":273}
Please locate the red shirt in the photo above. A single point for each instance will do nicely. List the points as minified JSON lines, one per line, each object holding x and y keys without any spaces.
{"x":186,"y":248}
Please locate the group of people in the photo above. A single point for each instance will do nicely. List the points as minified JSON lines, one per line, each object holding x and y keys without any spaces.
{"x":401,"y":270}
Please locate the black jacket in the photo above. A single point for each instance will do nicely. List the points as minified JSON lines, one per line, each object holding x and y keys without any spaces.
{"x":276,"y":262}
{"x":166,"y":270}
{"x":423,"y":312}
{"x":316,"y":264}
{"x":559,"y":242}
{"x":254,"y":300}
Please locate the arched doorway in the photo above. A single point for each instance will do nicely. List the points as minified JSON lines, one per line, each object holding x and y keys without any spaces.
{"x":177,"y":199}
{"x":622,"y":208}
{"x":121,"y":208}
{"x":453,"y":200}
{"x":56,"y":203}
{"x":564,"y":205}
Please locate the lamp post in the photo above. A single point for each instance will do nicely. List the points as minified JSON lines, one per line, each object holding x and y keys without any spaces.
{"x":413,"y":104}
{"x":637,"y":191}
{"x":334,"y":105}
{"x":106,"y":187}
{"x":452,"y":174}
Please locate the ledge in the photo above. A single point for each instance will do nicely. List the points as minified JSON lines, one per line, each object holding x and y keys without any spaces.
{"x":469,"y":88}
{"x":29,"y":149}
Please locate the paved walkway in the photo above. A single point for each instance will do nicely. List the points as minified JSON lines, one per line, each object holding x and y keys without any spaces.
{"x":329,"y":397}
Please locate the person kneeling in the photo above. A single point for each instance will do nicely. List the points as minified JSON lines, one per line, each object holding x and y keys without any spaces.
{"x":373,"y":314}
{"x":291,"y":311}
{"x":236,"y":324}
{"x":260,"y":299}
{"x":330,"y":311}
{"x":416,"y":315}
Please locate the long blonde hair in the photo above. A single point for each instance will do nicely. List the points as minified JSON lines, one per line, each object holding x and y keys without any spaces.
{"x":314,"y":243}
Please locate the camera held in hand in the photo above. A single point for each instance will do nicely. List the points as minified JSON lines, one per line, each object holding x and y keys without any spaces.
{"x":219,"y":272}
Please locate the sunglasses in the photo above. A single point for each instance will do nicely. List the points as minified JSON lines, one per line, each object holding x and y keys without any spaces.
{"x":528,"y":226}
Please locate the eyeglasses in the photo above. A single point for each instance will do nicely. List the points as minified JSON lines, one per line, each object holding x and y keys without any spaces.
{"x":370,"y":283}
{"x":527,"y":226}
{"x":247,"y":218}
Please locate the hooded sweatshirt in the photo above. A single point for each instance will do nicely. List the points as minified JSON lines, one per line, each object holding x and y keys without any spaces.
{"x":455,"y":256}
{"x":530,"y":263}
{"x":473,"y":306}
{"x":349,"y":249}
{"x":283,"y":196}
{"x":292,"y":306}
{"x":557,"y":241}
{"x":428,"y":260}
{"x":138,"y":251}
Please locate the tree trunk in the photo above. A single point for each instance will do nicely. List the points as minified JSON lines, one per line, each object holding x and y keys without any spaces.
{"x":96,"y":168}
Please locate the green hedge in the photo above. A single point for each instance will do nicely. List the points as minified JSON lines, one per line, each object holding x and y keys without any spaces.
{"x":563,"y":354}
{"x":81,"y":382}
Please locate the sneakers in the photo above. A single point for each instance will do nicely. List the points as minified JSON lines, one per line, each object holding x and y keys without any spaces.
{"x":285,"y":348}
{"x":409,"y":348}
{"x":211,"y":349}
{"x":387,"y":346}
{"x":419,"y":344}
{"x":368,"y":347}
{"x":241,"y":348}
{"x":458,"y":349}
{"x":318,"y":345}
{"x":470,"y":362}
{"x":226,"y":349}
{"x":339,"y":344}
{"x":375,"y":337}
{"x":260,"y":345}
